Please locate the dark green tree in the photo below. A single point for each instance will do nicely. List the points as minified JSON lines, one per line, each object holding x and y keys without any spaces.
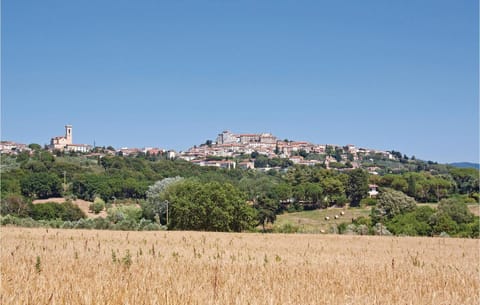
{"x":266,"y":211}
{"x":357,"y":186}
{"x":35,"y":146}
{"x":41,"y":185}
{"x":208,"y":207}
{"x":412,"y":187}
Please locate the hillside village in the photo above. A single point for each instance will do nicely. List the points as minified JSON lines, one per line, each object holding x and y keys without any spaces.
{"x":249,"y":178}
{"x":261,"y":151}
{"x":232,"y":150}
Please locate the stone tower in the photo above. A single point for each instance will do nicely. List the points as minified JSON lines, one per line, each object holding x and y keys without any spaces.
{"x":68,"y":134}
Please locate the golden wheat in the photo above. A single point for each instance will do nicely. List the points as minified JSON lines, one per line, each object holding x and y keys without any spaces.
{"x":40,"y":266}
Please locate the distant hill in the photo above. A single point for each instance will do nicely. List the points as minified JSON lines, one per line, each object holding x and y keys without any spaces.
{"x":466,"y":165}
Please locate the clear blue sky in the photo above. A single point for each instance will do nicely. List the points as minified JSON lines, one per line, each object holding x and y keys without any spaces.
{"x":399,"y":75}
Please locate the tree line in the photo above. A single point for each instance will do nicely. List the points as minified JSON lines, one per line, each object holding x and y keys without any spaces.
{"x":207,"y":198}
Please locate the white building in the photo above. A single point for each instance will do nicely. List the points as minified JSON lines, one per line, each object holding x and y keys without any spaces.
{"x":61,"y":142}
{"x":65,"y":143}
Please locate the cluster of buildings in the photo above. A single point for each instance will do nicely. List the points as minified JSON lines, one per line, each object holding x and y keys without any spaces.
{"x":227,"y":147}
{"x":61,"y":143}
{"x":12,"y":148}
{"x":65,"y":143}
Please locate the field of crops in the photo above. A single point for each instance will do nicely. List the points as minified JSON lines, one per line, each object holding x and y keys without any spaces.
{"x":40,"y":266}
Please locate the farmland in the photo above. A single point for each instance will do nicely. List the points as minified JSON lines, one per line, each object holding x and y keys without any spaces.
{"x":314,"y":221}
{"x":40,"y":266}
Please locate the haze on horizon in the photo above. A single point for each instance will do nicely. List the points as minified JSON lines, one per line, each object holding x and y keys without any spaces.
{"x":401,"y":76}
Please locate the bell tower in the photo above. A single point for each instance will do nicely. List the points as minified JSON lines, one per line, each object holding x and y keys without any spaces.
{"x":68,"y":134}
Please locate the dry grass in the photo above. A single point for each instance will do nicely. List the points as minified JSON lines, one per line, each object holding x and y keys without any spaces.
{"x":40,"y":266}
{"x":475,"y":209}
{"x":82,"y":204}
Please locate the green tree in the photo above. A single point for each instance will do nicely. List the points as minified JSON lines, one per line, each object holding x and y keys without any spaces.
{"x":277,"y":150}
{"x":457,"y":210}
{"x":357,"y":187}
{"x":210,"y":207}
{"x":35,"y":146}
{"x":15,"y":205}
{"x":466,"y":179}
{"x":34,"y":166}
{"x":156,"y":203}
{"x":412,"y":223}
{"x":412,"y":186}
{"x":280,"y":192}
{"x":130,"y":213}
{"x":334,"y":191}
{"x":329,"y":150}
{"x":66,"y":211}
{"x":97,"y":206}
{"x":391,"y":203}
{"x":313,"y":192}
{"x":400,"y":184}
{"x":338,"y":154}
{"x":442,"y":222}
{"x":41,"y":185}
{"x":266,"y":211}
{"x":261,"y":161}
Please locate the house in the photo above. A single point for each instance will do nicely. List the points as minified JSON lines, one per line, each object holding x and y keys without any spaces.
{"x":9,"y":147}
{"x":372,"y":193}
{"x":171,"y":154}
{"x":246,"y":165}
{"x":222,"y":164}
{"x":82,"y":148}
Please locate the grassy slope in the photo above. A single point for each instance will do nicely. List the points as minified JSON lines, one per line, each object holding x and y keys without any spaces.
{"x":314,"y":221}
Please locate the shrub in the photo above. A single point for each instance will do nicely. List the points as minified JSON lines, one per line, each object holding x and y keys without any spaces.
{"x":368,"y":202}
{"x":101,"y":224}
{"x":470,"y":200}
{"x":15,"y":205}
{"x":363,"y":221}
{"x":456,"y":209}
{"x":68,"y":225}
{"x":342,"y":227}
{"x":287,"y":228}
{"x":362,"y":230}
{"x":153,"y":227}
{"x":124,"y":212}
{"x":126,"y":225}
{"x":71,"y":212}
{"x":412,"y":223}
{"x":475,"y":196}
{"x":442,"y":222}
{"x":97,"y":207}
{"x":84,"y":224}
{"x":350,"y":229}
{"x":52,"y":210}
{"x":380,"y":229}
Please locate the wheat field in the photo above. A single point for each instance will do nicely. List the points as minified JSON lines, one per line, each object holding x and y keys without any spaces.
{"x":40,"y":266}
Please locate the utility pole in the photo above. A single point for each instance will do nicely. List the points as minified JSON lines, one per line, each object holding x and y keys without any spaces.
{"x":64,"y":181}
{"x":167,"y":212}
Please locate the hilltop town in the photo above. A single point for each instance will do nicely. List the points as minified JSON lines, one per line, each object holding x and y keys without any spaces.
{"x":261,"y":151}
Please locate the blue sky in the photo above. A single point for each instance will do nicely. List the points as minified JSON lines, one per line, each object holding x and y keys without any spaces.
{"x":399,"y":75}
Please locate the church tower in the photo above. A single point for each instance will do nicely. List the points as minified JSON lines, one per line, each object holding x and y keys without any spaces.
{"x":68,"y":134}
